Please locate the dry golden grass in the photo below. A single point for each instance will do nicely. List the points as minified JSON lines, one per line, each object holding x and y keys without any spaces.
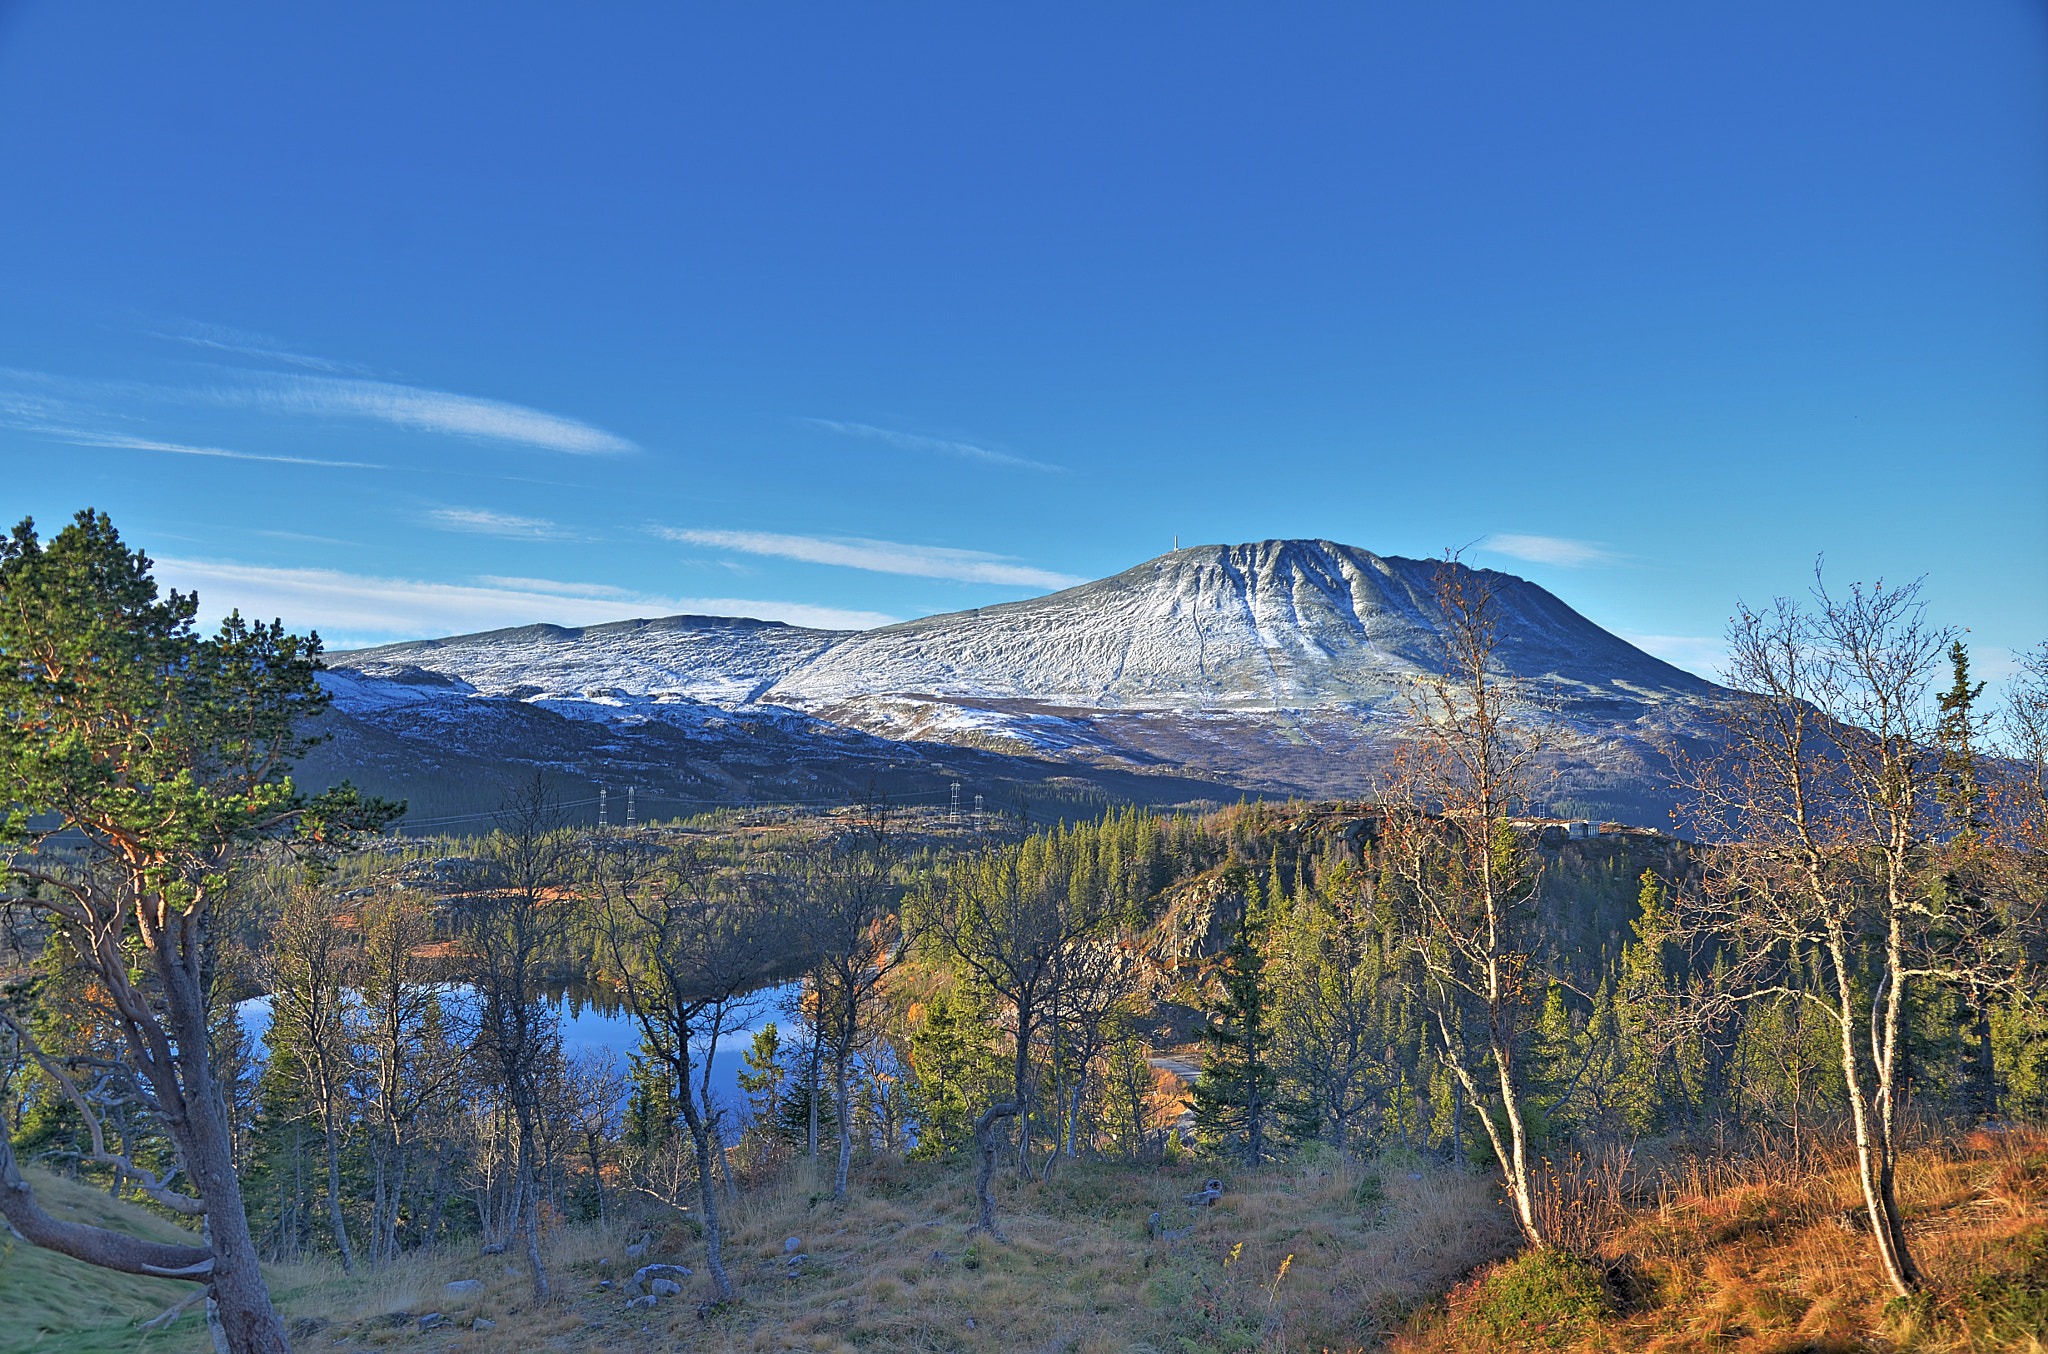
{"x":1762,"y":1265}
{"x":895,"y":1269}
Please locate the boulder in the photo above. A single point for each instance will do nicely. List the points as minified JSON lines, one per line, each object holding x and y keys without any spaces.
{"x":464,"y":1288}
{"x":431,"y":1320}
{"x":481,"y":1324}
{"x":664,"y":1288}
{"x":791,"y":1245}
{"x":648,"y":1273}
{"x":495,"y":1248}
{"x":647,"y":1303}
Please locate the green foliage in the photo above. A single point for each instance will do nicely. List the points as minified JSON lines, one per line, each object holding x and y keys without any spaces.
{"x":1546,"y":1294}
{"x":2008,"y":1301}
{"x":762,"y":1073}
{"x":1234,"y":1096}
{"x":121,"y":717}
{"x":943,"y":1059}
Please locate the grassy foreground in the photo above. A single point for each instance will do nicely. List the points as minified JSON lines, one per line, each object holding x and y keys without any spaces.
{"x":895,"y":1269}
{"x":51,"y":1303}
{"x":1748,"y":1257}
{"x":1767,"y":1257}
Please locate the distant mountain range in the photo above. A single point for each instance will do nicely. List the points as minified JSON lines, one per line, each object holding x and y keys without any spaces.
{"x":1279,"y":667}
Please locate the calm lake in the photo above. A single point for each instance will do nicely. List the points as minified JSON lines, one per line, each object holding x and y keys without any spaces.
{"x":592,"y":1028}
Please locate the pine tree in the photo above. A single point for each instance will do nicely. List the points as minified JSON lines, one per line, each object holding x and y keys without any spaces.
{"x":940,"y":1058}
{"x":1233,"y":1098}
{"x":762,"y":1074}
{"x":1958,"y":791}
{"x":1652,"y":1089}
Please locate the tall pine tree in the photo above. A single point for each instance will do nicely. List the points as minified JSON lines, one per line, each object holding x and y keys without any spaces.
{"x":1234,"y":1095}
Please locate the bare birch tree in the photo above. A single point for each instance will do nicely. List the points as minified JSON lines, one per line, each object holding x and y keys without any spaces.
{"x":685,"y":940}
{"x":511,"y":930}
{"x":312,"y":957}
{"x":1467,"y":901}
{"x":1822,"y":817}
{"x":850,"y":920}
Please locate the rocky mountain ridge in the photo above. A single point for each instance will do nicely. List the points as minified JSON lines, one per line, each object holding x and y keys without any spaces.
{"x":1279,"y":666}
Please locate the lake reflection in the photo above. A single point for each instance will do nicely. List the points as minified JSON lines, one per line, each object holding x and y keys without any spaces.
{"x":595,"y":1022}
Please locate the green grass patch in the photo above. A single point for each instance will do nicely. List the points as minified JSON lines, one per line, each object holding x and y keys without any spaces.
{"x":52,"y":1304}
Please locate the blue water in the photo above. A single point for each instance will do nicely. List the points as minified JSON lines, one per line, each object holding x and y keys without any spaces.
{"x":589,"y":1031}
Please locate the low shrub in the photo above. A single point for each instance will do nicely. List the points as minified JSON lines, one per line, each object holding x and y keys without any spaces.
{"x":1548,"y":1294}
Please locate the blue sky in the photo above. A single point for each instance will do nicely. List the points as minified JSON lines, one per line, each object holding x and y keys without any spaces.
{"x":408,"y":320}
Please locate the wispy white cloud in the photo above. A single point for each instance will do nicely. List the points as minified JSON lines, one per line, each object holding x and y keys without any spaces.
{"x":883,"y":557}
{"x":241,"y":343}
{"x":554,"y":588}
{"x":1554,"y":550}
{"x":302,"y":536}
{"x":918,"y":442}
{"x":359,"y":609}
{"x":404,"y":406}
{"x":484,"y":522}
{"x":115,"y":440}
{"x":437,"y":411}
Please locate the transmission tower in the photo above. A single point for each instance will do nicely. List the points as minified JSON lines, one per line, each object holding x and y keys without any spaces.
{"x":602,"y":823}
{"x":629,"y":807}
{"x":954,"y":816}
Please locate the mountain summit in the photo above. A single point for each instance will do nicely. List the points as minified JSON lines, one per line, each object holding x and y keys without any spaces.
{"x":1273,"y":665}
{"x":1272,"y":624}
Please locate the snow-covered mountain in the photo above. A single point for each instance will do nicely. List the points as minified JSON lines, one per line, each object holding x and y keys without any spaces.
{"x":1277,"y":665}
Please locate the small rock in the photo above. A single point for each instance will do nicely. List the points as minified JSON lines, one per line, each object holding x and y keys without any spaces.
{"x":481,"y":1324}
{"x":792,"y":1244}
{"x":646,"y":1302}
{"x":795,"y":1260}
{"x":513,"y":1271}
{"x":463,"y":1288}
{"x":431,"y":1320}
{"x":604,"y":1285}
{"x":605,"y":1263}
{"x":1415,"y":1175}
{"x":970,"y":1323}
{"x":664,"y":1288}
{"x":495,"y":1248}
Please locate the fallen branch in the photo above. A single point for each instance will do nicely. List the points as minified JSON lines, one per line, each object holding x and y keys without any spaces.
{"x":177,"y":1310}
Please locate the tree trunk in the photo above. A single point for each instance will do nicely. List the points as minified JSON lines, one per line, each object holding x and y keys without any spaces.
{"x":590,"y":1143}
{"x":707,"y":1188}
{"x":529,"y":1207}
{"x":985,"y":1148}
{"x":845,"y":1130}
{"x":440,"y":1197}
{"x":334,"y":1218}
{"x":1518,"y":1171}
{"x":1870,"y":1174}
{"x":1022,"y":1105}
